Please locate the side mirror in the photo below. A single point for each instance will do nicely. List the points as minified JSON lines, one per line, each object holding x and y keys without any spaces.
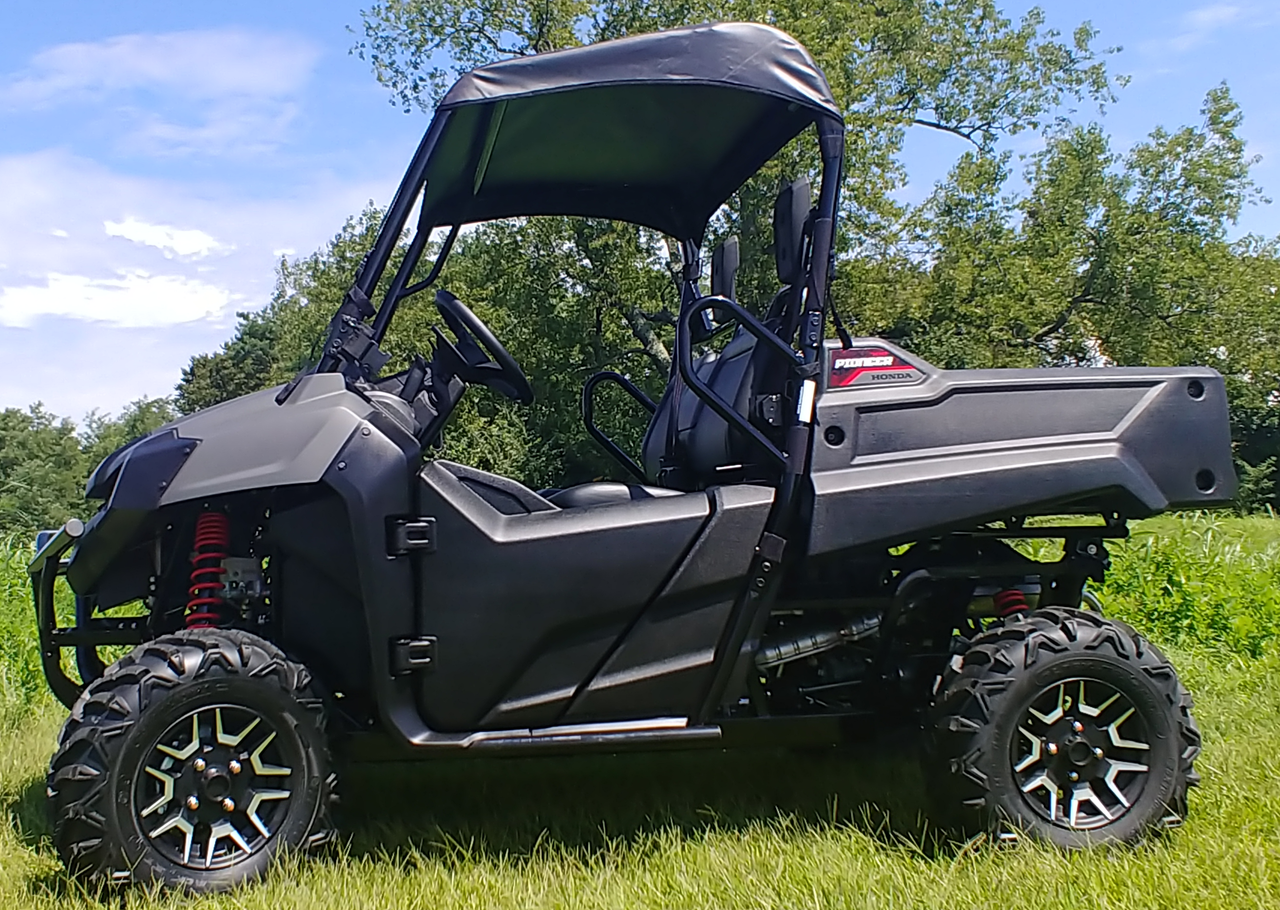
{"x":790,"y":213}
{"x":725,"y":260}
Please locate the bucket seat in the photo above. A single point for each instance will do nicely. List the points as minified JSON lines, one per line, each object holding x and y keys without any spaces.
{"x":687,"y":446}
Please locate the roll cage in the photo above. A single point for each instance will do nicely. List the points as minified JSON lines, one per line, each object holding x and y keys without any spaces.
{"x":657,"y":130}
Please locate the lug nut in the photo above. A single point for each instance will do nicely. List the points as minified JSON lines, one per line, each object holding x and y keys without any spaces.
{"x":1052,"y":748}
{"x":198,"y":764}
{"x":1097,"y":753}
{"x":1077,"y":726}
{"x":234,"y":766}
{"x":228,"y":805}
{"x":1073,"y":776}
{"x":192,"y":803}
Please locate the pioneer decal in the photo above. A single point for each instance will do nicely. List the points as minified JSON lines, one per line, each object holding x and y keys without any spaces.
{"x":870,"y":366}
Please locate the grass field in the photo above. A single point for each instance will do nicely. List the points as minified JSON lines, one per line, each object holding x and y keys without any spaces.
{"x":759,"y":830}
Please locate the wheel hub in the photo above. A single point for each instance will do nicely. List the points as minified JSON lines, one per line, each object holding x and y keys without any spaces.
{"x":216,"y":783}
{"x":214,"y":788}
{"x":1079,"y":751}
{"x":1080,"y":756}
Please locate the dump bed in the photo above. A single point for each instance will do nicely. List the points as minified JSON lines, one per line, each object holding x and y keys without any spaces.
{"x":904,"y":448}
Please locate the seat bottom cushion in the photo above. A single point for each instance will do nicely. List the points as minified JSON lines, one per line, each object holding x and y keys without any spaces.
{"x":605,"y":493}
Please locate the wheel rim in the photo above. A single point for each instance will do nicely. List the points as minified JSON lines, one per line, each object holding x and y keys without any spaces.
{"x":215,"y":787}
{"x":1080,"y":755}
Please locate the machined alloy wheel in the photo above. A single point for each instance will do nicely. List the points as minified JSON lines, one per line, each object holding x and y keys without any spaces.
{"x":1073,"y":761}
{"x":194,"y":761}
{"x":1063,"y":725}
{"x":216,"y":787}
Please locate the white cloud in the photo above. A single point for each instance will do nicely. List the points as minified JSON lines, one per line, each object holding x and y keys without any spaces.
{"x":1200,"y":25}
{"x":133,"y":299}
{"x":171,"y":241}
{"x":221,"y":91}
{"x":169,"y":272}
{"x":1214,"y":16}
{"x":206,"y":65}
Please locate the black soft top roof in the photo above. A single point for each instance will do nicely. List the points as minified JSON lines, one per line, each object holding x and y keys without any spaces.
{"x":655,"y":129}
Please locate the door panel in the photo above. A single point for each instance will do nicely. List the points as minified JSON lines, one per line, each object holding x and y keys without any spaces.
{"x":524,"y":607}
{"x":664,"y":664}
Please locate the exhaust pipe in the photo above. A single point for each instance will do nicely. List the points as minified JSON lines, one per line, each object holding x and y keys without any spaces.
{"x":811,"y":643}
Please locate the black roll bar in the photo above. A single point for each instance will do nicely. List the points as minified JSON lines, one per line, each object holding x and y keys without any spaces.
{"x":713,"y":400}
{"x":589,"y":417}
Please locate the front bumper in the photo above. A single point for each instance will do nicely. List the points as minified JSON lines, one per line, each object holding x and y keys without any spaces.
{"x":89,"y":631}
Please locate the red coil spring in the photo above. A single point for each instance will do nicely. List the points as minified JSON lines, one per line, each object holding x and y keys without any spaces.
{"x":1010,"y":601}
{"x":212,"y":545}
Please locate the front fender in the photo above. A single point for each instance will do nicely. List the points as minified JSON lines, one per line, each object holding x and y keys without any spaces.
{"x":252,"y":442}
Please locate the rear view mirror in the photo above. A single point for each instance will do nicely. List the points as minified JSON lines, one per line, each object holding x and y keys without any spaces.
{"x":789,"y":215}
{"x":724,"y":268}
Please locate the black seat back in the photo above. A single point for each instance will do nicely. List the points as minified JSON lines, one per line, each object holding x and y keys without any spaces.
{"x":703,"y":449}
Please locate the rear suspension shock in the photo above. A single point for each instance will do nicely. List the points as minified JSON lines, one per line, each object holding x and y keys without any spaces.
{"x":1009,"y":602}
{"x":212,"y":545}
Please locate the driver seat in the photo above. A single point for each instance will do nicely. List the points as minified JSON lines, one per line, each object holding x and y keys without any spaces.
{"x":690,"y":446}
{"x":687,"y":445}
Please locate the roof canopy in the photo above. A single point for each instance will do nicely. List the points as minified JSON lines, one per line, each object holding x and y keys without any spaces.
{"x":655,"y":129}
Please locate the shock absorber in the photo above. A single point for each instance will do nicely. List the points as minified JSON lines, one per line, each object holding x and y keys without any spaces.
{"x":1010,"y":601}
{"x":212,"y":545}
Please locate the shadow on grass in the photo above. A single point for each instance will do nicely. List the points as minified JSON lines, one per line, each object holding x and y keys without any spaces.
{"x":460,"y":811}
{"x":28,"y":814}
{"x":587,"y":806}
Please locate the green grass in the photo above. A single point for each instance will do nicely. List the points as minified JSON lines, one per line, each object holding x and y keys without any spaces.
{"x":765,"y":829}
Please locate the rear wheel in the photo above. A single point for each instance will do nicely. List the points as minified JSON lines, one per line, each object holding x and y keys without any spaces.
{"x":1064,"y":725}
{"x":193,"y":762}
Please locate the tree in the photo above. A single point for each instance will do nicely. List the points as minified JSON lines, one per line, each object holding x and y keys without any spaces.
{"x":44,"y":460}
{"x":558,"y":293}
{"x":959,"y":67}
{"x":42,"y":469}
{"x":1104,"y":259}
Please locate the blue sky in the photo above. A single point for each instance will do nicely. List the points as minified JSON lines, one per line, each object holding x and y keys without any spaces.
{"x":158,"y":158}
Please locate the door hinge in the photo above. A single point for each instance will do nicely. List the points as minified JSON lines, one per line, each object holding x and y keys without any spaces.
{"x":407,"y":535}
{"x":410,"y":654}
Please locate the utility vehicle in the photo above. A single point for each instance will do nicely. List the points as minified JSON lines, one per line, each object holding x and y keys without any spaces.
{"x":815,"y":543}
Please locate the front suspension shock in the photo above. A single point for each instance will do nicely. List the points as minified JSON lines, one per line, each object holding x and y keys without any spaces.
{"x":212,"y":545}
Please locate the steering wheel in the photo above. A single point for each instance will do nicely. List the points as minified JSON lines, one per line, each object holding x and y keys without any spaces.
{"x":480,"y":357}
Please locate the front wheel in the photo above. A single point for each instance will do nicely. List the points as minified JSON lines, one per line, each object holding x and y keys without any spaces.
{"x":1064,"y":725}
{"x":193,"y":762}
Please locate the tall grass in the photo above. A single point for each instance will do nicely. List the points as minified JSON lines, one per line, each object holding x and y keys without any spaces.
{"x":22,"y":684}
{"x":1200,"y":581}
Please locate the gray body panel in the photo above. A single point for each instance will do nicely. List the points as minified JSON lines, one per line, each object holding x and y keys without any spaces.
{"x":526,"y":606}
{"x":250,"y":443}
{"x":664,"y":664}
{"x":966,"y":446}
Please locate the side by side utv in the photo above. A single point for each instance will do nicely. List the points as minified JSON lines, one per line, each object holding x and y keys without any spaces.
{"x":816,"y":542}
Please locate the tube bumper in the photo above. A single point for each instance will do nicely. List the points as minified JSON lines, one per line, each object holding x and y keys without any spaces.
{"x":88,"y":633}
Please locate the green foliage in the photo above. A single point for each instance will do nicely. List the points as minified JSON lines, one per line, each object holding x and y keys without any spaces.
{"x":1201,"y":582}
{"x":270,"y":346}
{"x":22,"y":684}
{"x":961,"y":67}
{"x":1105,"y":258}
{"x":41,"y":468}
{"x":44,"y":460}
{"x":243,"y":365}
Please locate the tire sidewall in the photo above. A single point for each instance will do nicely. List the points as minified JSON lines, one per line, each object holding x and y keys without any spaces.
{"x":1149,"y":702}
{"x":300,"y":738}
